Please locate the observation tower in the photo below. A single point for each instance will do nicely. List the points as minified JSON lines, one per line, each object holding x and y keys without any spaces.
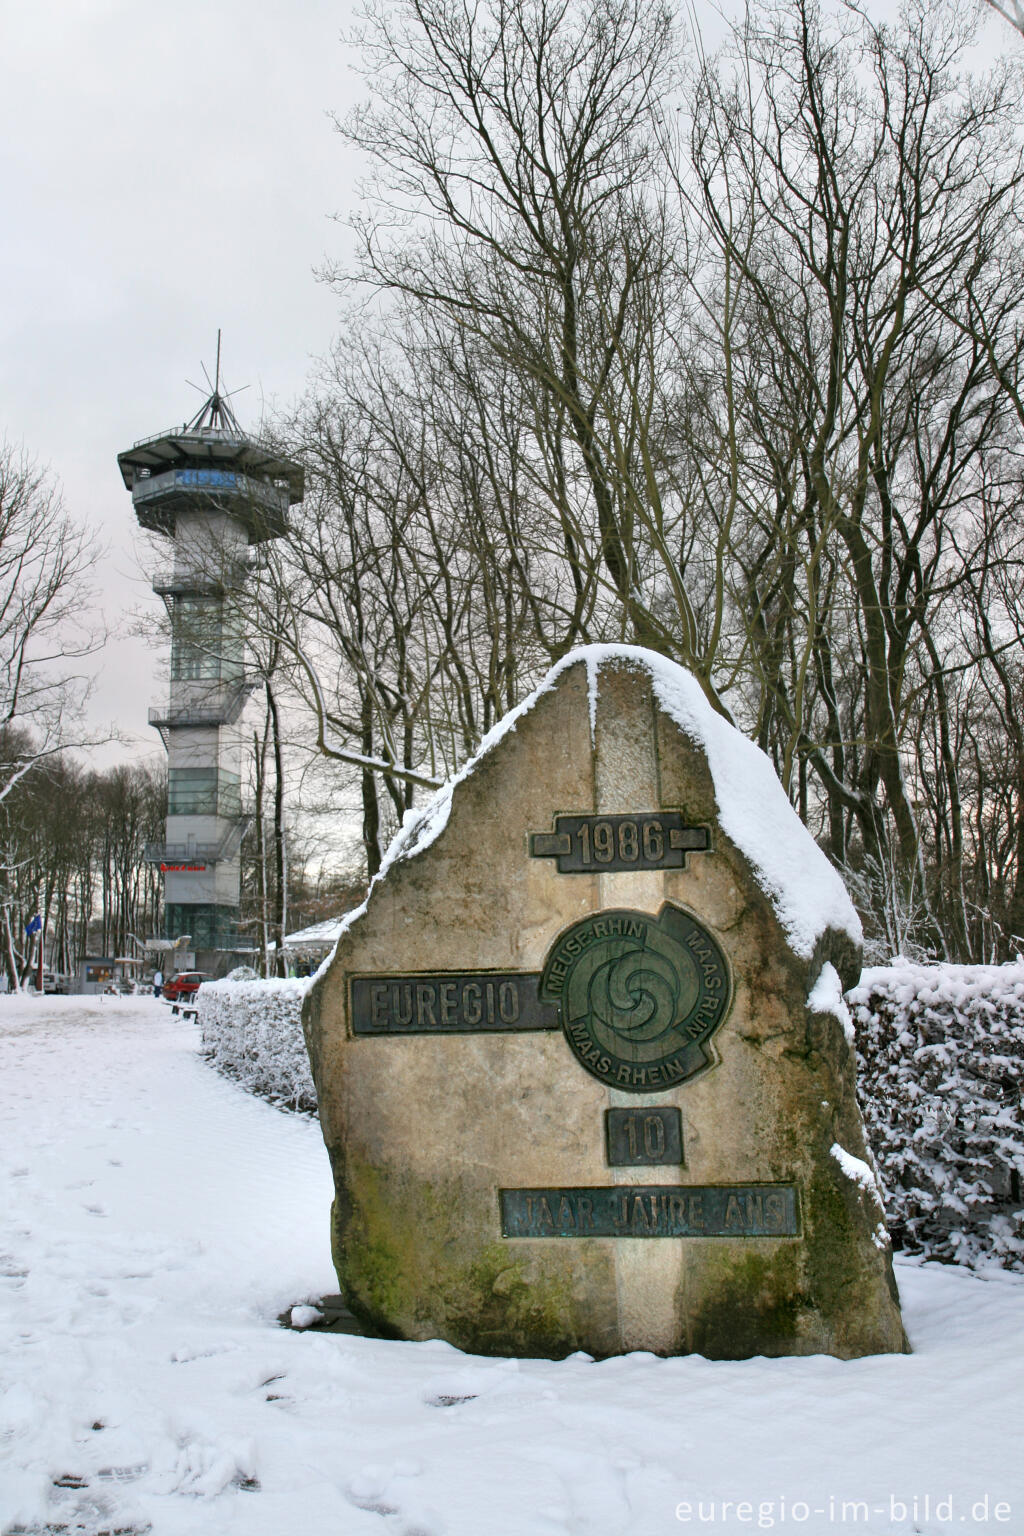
{"x":213,"y":492}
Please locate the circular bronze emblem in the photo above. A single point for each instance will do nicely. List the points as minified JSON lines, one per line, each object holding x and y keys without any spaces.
{"x":639,"y":996}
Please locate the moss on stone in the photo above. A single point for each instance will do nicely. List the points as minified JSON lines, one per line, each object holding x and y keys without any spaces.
{"x":750,"y":1304}
{"x":493,"y":1304}
{"x":845,"y":1289}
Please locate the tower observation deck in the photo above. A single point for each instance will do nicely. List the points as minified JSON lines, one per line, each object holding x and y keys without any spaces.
{"x":213,"y":492}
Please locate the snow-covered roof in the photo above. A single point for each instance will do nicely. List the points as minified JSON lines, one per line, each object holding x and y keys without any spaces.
{"x":317,"y":934}
{"x":805,"y":890}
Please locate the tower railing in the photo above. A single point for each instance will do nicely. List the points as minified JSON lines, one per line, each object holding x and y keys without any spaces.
{"x":218,"y":434}
{"x":228,"y":577}
{"x":191,"y":852}
{"x":217,"y":482}
{"x":223,"y":708}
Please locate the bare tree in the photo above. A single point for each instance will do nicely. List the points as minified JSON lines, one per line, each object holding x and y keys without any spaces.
{"x":520,"y":194}
{"x":864,"y":199}
{"x":770,"y":425}
{"x":44,"y":559}
{"x":73,"y":846}
{"x":1011,"y":11}
{"x":402,"y":636}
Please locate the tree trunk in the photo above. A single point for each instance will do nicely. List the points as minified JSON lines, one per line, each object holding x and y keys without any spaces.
{"x":280,"y":921}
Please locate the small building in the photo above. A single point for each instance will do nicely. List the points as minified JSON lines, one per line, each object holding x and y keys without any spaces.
{"x":94,"y":974}
{"x":305,"y":949}
{"x":97,"y":973}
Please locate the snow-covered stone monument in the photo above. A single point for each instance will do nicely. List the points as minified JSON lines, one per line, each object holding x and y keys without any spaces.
{"x":585,"y":1072}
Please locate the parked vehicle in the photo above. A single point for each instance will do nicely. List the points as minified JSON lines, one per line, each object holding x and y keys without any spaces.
{"x":183,"y":987}
{"x":54,"y":982}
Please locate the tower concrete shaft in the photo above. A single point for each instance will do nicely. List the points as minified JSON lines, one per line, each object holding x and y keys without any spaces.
{"x":213,"y":492}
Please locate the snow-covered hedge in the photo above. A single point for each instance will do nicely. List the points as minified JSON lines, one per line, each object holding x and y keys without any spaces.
{"x":252,"y":1031}
{"x":940,"y":1051}
{"x":941,"y":1048}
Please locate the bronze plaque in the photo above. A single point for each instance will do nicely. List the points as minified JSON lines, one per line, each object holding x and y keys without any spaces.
{"x":640,"y":1138}
{"x":595,"y":845}
{"x":652,"y":1210}
{"x":449,"y":1003}
{"x":639,"y":996}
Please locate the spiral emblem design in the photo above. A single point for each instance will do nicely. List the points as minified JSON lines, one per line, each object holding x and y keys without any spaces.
{"x":640,"y":995}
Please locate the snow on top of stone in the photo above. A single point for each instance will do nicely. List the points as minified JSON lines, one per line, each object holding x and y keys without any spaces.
{"x":865,"y":1177}
{"x":856,"y":1170}
{"x":854,"y":1167}
{"x":805,"y":890}
{"x":826,"y":996}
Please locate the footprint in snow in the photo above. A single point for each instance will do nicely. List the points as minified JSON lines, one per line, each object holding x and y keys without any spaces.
{"x":378,"y":1491}
{"x":203,"y":1469}
{"x":122,"y":1474}
{"x":83,"y":1511}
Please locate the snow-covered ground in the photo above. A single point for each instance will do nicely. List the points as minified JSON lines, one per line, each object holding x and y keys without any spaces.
{"x":156,"y":1219}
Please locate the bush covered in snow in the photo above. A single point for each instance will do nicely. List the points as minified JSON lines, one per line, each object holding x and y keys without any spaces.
{"x":252,"y":1031}
{"x":940,"y":1051}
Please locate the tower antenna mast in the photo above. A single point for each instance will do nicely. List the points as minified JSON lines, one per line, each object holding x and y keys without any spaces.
{"x":215,"y":413}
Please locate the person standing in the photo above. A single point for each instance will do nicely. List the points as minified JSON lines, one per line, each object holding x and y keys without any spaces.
{"x":158,"y":983}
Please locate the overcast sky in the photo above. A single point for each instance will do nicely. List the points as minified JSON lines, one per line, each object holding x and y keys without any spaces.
{"x":166,"y":169}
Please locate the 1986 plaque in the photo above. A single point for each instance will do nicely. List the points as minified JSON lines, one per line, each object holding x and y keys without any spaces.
{"x":600,"y":844}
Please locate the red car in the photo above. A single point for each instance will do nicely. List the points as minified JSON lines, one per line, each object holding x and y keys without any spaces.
{"x":183,"y":987}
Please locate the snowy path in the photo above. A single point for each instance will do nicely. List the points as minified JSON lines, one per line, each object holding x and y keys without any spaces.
{"x":155,"y":1220}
